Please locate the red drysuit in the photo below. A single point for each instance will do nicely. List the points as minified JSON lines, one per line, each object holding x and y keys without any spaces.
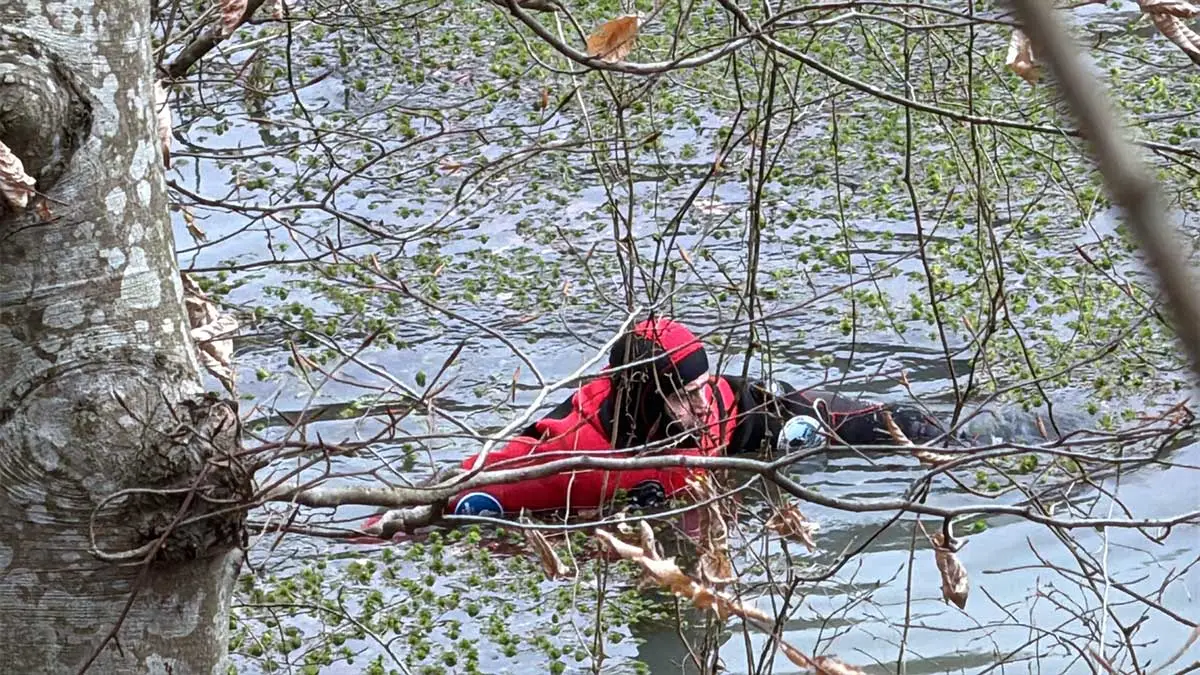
{"x":659,"y":356}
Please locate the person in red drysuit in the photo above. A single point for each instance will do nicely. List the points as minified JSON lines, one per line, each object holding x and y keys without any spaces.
{"x":658,"y":396}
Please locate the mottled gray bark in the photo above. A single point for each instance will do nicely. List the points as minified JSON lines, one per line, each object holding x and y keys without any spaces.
{"x":99,"y":388}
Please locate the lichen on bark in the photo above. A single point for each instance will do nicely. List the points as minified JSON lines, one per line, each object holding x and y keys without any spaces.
{"x":99,"y":387}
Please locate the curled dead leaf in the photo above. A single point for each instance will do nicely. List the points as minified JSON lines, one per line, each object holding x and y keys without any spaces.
{"x":893,"y":429}
{"x":665,"y":573}
{"x":829,"y":665}
{"x":615,"y":39}
{"x":1179,"y":8}
{"x":552,"y":565}
{"x":821,"y":665}
{"x":646,"y":537}
{"x":621,"y":548}
{"x":1020,"y":57}
{"x":795,"y":655}
{"x":232,"y":12}
{"x":954,"y":576}
{"x":1175,"y":30}
{"x":933,"y":458}
{"x":212,"y":332}
{"x":790,"y":522}
{"x":162,"y":110}
{"x":16,"y":186}
{"x":715,"y":568}
{"x":193,"y":229}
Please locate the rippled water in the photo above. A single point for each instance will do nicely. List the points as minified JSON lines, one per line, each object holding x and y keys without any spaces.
{"x":1017,"y":608}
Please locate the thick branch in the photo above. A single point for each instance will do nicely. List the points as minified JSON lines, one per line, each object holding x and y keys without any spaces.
{"x":398,"y":497}
{"x":205,"y":43}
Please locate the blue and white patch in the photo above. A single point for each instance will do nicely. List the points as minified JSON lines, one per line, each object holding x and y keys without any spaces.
{"x":798,"y":433}
{"x":478,"y":504}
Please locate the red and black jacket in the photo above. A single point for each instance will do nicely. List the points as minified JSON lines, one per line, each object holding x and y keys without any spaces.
{"x":621,"y":413}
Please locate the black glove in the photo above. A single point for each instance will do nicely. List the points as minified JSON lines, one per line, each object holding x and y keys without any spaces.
{"x":647,"y":494}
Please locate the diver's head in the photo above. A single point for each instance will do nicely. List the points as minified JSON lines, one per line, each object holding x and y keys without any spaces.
{"x":664,"y":369}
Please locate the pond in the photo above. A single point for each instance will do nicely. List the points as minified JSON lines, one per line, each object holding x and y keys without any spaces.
{"x":437,"y":179}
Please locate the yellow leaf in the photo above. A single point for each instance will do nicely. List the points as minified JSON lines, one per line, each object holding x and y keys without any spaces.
{"x":1020,"y":58}
{"x":16,"y":186}
{"x":954,"y":575}
{"x":614,"y":40}
{"x":551,"y":564}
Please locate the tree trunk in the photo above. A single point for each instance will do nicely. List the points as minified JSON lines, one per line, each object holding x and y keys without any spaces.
{"x":99,"y":386}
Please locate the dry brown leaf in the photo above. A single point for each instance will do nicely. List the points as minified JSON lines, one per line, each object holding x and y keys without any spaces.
{"x":821,"y":665}
{"x":667,"y":574}
{"x":954,"y":576}
{"x":790,"y":522}
{"x":162,"y":109}
{"x":1179,"y":8}
{"x":212,"y":332}
{"x":933,"y":458}
{"x":450,"y":166}
{"x":1020,"y":57}
{"x":796,"y":656}
{"x":627,"y":551}
{"x":893,"y":429}
{"x":216,"y":355}
{"x":16,"y":186}
{"x":614,"y":40}
{"x":828,"y":665}
{"x":232,"y":12}
{"x":1175,"y":30}
{"x":552,"y":565}
{"x":714,"y":567}
{"x":646,"y":537}
{"x":193,"y":229}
